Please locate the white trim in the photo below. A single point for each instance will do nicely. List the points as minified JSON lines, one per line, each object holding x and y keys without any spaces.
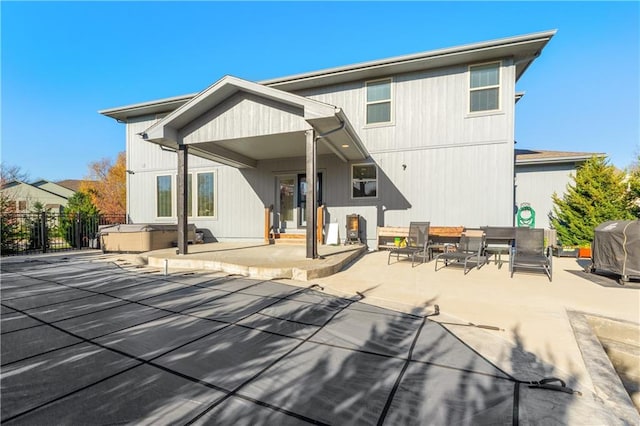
{"x":498,"y":86}
{"x":351,"y":166}
{"x":171,"y":198}
{"x":194,"y":196}
{"x":390,"y":101}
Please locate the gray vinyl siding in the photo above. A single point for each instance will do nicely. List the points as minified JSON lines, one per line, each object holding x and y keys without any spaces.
{"x":535,"y":185}
{"x":459,"y":166}
{"x":244,"y":115}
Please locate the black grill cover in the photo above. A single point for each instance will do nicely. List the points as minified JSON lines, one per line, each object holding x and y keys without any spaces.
{"x":616,"y":247}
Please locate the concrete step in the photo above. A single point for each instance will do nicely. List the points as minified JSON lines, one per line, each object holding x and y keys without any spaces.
{"x":289,"y":238}
{"x":621,"y":342}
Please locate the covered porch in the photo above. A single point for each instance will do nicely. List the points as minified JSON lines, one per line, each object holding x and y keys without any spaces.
{"x":239,"y":123}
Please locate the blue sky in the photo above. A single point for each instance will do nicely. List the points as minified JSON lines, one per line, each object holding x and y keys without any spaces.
{"x":64,"y":61}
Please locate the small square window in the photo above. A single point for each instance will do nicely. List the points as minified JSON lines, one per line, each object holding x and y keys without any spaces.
{"x":364,"y":181}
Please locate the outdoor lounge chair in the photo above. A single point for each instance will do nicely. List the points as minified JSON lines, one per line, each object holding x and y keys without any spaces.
{"x":499,"y":240}
{"x":470,"y":249}
{"x":529,"y":252}
{"x":416,"y":243}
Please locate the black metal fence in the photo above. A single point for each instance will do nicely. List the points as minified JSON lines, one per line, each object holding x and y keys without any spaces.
{"x":29,"y":233}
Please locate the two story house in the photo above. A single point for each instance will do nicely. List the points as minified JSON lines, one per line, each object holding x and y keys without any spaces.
{"x":422,"y":137}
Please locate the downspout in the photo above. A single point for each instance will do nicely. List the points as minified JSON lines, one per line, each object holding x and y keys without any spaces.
{"x":327,"y":133}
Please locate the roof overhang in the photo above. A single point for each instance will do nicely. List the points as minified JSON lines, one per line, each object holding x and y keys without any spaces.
{"x":522,"y":49}
{"x":531,"y":157}
{"x":238,"y":148}
{"x":147,"y":108}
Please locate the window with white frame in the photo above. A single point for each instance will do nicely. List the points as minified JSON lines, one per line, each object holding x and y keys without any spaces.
{"x":164,"y":192}
{"x":484,"y":87}
{"x":204,"y":202}
{"x":378,"y":101}
{"x":364,"y":181}
{"x":205,"y":194}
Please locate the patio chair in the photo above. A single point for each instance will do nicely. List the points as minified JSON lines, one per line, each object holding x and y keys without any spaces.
{"x":416,"y":243}
{"x":529,"y":252}
{"x":470,"y":249}
{"x":499,"y":240}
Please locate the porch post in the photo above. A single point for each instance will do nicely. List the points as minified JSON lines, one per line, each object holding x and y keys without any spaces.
{"x":183,"y":231}
{"x":312,"y":211}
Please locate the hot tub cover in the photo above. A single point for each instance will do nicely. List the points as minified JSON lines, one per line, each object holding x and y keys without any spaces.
{"x":616,"y":247}
{"x":141,"y":227}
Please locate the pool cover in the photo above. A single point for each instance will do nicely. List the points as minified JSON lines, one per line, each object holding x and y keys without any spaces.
{"x":94,"y":343}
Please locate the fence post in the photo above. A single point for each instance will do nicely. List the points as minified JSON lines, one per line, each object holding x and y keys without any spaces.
{"x":44,"y":238}
{"x":76,"y":230}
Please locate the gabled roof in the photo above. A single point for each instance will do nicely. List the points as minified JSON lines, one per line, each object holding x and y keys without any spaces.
{"x":239,"y":149}
{"x":72,"y":184}
{"x":38,"y":185}
{"x":523,"y":49}
{"x":223,"y":89}
{"x":527,"y":156}
{"x":53,"y":188}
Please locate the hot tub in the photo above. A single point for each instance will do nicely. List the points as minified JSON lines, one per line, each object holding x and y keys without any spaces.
{"x":138,"y":238}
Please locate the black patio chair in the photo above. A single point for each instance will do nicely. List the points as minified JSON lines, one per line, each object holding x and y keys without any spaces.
{"x":416,"y":243}
{"x":498,"y":240}
{"x":470,"y":249}
{"x":529,"y":252}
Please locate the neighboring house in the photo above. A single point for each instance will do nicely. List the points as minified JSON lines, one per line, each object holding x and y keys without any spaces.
{"x":26,"y":195}
{"x":428,"y":136}
{"x":541,"y":173}
{"x":71,"y":184}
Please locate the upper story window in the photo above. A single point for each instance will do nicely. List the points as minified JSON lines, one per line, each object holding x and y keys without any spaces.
{"x":484,"y":87}
{"x":379,"y":101}
{"x":364,"y":181}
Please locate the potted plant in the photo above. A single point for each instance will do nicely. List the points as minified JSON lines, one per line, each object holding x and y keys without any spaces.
{"x":584,"y":251}
{"x":565,"y":251}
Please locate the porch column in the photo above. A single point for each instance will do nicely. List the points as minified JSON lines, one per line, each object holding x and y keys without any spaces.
{"x":183,"y":230}
{"x":312,"y":178}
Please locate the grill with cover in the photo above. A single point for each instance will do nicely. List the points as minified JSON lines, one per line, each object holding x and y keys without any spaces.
{"x":616,"y":249}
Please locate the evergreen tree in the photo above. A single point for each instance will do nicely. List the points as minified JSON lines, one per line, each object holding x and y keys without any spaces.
{"x":597,"y":195}
{"x":633,"y":183}
{"x":79,"y":210}
{"x":80,"y":202}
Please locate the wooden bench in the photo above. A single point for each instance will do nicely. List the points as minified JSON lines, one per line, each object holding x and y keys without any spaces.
{"x":441,"y":237}
{"x":386,"y":235}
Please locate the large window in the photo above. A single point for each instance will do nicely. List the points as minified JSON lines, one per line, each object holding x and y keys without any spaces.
{"x":205,"y":198}
{"x":204,"y":189}
{"x":484,"y":87}
{"x":379,"y":101}
{"x":163,"y":196}
{"x":364,"y":181}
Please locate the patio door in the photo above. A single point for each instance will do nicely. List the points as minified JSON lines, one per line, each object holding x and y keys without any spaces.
{"x":302,"y":197}
{"x":292,"y":200}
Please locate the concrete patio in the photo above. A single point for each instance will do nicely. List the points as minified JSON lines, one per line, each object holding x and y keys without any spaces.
{"x":540,"y":318}
{"x":527,"y":326}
